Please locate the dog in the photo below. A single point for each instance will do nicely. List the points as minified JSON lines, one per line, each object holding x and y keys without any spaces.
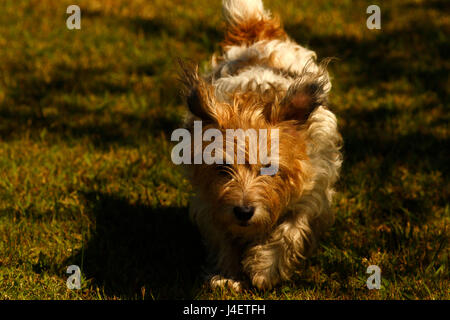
{"x":259,"y":227}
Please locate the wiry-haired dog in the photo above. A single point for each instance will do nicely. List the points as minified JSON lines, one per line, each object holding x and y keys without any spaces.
{"x":258,"y":227}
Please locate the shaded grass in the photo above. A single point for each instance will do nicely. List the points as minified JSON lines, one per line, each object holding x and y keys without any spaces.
{"x":161,"y":270}
{"x":85,"y":170}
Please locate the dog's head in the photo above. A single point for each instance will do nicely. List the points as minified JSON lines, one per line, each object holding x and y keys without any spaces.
{"x":254,"y":151}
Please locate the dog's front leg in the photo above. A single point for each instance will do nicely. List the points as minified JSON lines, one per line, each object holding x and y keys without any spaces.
{"x":273,"y":261}
{"x":229,"y":266}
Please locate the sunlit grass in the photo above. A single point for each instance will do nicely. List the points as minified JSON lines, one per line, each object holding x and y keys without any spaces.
{"x":85,"y":170}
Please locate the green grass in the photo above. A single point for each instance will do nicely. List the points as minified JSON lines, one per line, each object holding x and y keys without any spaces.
{"x":85,"y":170}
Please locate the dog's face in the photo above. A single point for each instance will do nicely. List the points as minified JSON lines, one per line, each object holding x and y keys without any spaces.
{"x":242,"y":200}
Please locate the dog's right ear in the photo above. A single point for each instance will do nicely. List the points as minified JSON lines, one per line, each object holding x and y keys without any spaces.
{"x":306,"y":93}
{"x":199,"y":94}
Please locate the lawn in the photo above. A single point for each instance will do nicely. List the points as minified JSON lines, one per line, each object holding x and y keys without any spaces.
{"x":86,"y":176}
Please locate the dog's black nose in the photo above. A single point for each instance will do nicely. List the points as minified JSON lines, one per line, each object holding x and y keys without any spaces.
{"x":244,"y":213}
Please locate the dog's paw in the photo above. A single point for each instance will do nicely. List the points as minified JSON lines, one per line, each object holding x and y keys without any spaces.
{"x":262,"y":280}
{"x":218,"y":281}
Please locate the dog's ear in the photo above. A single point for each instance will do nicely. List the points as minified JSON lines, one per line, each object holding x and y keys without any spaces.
{"x":198,"y":93}
{"x":308,"y":91}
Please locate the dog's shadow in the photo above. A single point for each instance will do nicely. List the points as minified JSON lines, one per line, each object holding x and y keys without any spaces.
{"x":136,"y":252}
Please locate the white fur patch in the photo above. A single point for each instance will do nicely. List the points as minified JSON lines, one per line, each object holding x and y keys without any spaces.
{"x":252,"y":79}
{"x":236,"y":11}
{"x":288,"y":57}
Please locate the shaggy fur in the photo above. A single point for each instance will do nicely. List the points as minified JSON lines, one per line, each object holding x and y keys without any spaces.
{"x":263,"y":80}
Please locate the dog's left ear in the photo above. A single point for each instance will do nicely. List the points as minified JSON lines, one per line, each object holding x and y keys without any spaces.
{"x":308,"y":92}
{"x":198,"y":93}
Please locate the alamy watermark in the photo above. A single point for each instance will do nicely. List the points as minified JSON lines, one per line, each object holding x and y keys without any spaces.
{"x":374,"y":281}
{"x":74,"y":20}
{"x":374,"y":20}
{"x":74,"y":281}
{"x":215,"y":152}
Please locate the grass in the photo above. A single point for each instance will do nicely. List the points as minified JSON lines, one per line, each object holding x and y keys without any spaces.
{"x":86,"y":176}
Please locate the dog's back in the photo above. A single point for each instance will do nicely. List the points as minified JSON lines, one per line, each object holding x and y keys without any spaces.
{"x":258,"y":54}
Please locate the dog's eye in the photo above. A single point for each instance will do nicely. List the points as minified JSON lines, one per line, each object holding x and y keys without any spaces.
{"x":265,"y":166}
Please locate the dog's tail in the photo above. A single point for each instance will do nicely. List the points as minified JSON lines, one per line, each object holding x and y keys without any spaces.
{"x":248,"y":22}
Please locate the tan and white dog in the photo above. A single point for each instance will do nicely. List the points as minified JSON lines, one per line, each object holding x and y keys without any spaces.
{"x":258,"y":227}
